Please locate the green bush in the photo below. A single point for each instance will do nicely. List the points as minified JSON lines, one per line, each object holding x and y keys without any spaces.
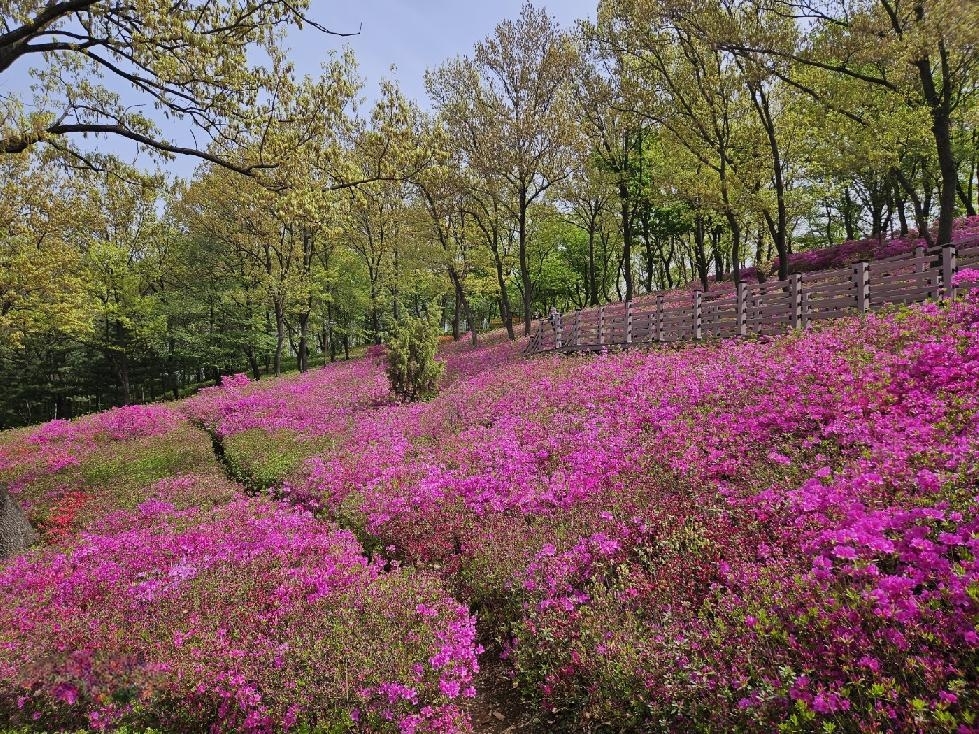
{"x":412,"y":367}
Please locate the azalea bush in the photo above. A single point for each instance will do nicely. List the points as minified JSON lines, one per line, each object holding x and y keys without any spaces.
{"x":247,"y":617}
{"x":67,"y":474}
{"x":744,"y":536}
{"x":757,"y":535}
{"x":313,"y":403}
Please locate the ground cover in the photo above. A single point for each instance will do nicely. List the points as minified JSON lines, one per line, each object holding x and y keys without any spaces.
{"x":779,"y":534}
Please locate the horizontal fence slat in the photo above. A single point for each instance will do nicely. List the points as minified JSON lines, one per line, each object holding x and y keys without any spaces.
{"x":832,"y":313}
{"x":925,"y":290}
{"x":825,"y":304}
{"x":908,"y":277}
{"x":829,"y":289}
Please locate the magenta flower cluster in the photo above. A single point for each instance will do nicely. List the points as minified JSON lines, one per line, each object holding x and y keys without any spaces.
{"x":305,"y":403}
{"x":60,"y":443}
{"x":736,"y":536}
{"x":777,"y":534}
{"x":206,"y":609}
{"x":251,"y":615}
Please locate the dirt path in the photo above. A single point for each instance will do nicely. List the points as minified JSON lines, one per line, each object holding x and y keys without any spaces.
{"x":497,"y":708}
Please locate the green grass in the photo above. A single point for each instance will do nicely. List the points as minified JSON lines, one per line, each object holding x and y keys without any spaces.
{"x":261,"y":460}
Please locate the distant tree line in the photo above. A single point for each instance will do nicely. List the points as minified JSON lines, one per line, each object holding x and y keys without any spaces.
{"x":667,"y":141}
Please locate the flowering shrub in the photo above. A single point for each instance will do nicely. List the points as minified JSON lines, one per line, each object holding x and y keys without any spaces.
{"x":778,"y":534}
{"x":247,"y":617}
{"x":494,"y":350}
{"x":58,"y":444}
{"x":318,"y":402}
{"x":968,"y":278}
{"x":685,"y":535}
{"x":66,"y":475}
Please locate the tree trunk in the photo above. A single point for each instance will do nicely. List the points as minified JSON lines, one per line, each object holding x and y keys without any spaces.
{"x":375,"y":316}
{"x":16,"y":533}
{"x":759,"y":255}
{"x":592,"y":284}
{"x":732,"y":219}
{"x":950,"y":177}
{"x":626,"y":210}
{"x":506,"y":312}
{"x":457,"y":307}
{"x":462,"y":305}
{"x":780,"y":230}
{"x":900,"y":204}
{"x":877,"y":221}
{"x":280,"y":338}
{"x":847,"y":210}
{"x":528,"y":295}
{"x":331,"y":342}
{"x":965,"y":196}
{"x":650,"y":253}
{"x":717,"y":255}
{"x":303,"y":350}
{"x":700,"y":252}
{"x":940,"y":109}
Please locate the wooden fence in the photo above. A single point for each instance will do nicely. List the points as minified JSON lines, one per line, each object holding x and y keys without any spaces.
{"x":770,"y":308}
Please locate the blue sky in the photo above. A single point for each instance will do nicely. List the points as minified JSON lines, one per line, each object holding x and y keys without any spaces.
{"x":416,"y":35}
{"x":412,"y":35}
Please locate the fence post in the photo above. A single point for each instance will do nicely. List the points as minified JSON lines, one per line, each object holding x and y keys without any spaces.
{"x":558,"y":330}
{"x":698,"y":312}
{"x":805,"y":309}
{"x":628,"y":322}
{"x":742,"y":310}
{"x":861,"y":281}
{"x":577,"y":329}
{"x":795,"y":295}
{"x":948,"y":271}
{"x":659,"y":318}
{"x":601,"y":325}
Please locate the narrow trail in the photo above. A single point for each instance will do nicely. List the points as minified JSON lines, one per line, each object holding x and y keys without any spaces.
{"x":497,"y":707}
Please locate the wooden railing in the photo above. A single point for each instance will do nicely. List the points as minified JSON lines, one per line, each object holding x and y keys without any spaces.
{"x":769,"y":308}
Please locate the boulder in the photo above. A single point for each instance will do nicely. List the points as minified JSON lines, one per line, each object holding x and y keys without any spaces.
{"x":16,"y":533}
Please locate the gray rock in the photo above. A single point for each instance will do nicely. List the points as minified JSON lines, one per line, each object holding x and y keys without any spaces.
{"x":16,"y":533}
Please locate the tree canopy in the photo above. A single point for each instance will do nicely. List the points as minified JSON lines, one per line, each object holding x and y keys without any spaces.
{"x":663,"y":144}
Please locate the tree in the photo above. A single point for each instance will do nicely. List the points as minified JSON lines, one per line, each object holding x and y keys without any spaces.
{"x":484,"y":204}
{"x":390,"y":147}
{"x":691,"y":88}
{"x":923,"y":52}
{"x":43,"y":291}
{"x":443,"y":193}
{"x":412,"y":367}
{"x":121,"y":256}
{"x":511,"y":105}
{"x":203,"y":63}
{"x":589,"y":195}
{"x":612,"y":130}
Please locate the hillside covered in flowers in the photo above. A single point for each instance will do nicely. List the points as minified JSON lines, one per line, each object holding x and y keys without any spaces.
{"x":764,"y":535}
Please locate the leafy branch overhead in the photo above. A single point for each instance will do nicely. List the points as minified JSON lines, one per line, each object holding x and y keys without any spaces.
{"x":213,"y":66}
